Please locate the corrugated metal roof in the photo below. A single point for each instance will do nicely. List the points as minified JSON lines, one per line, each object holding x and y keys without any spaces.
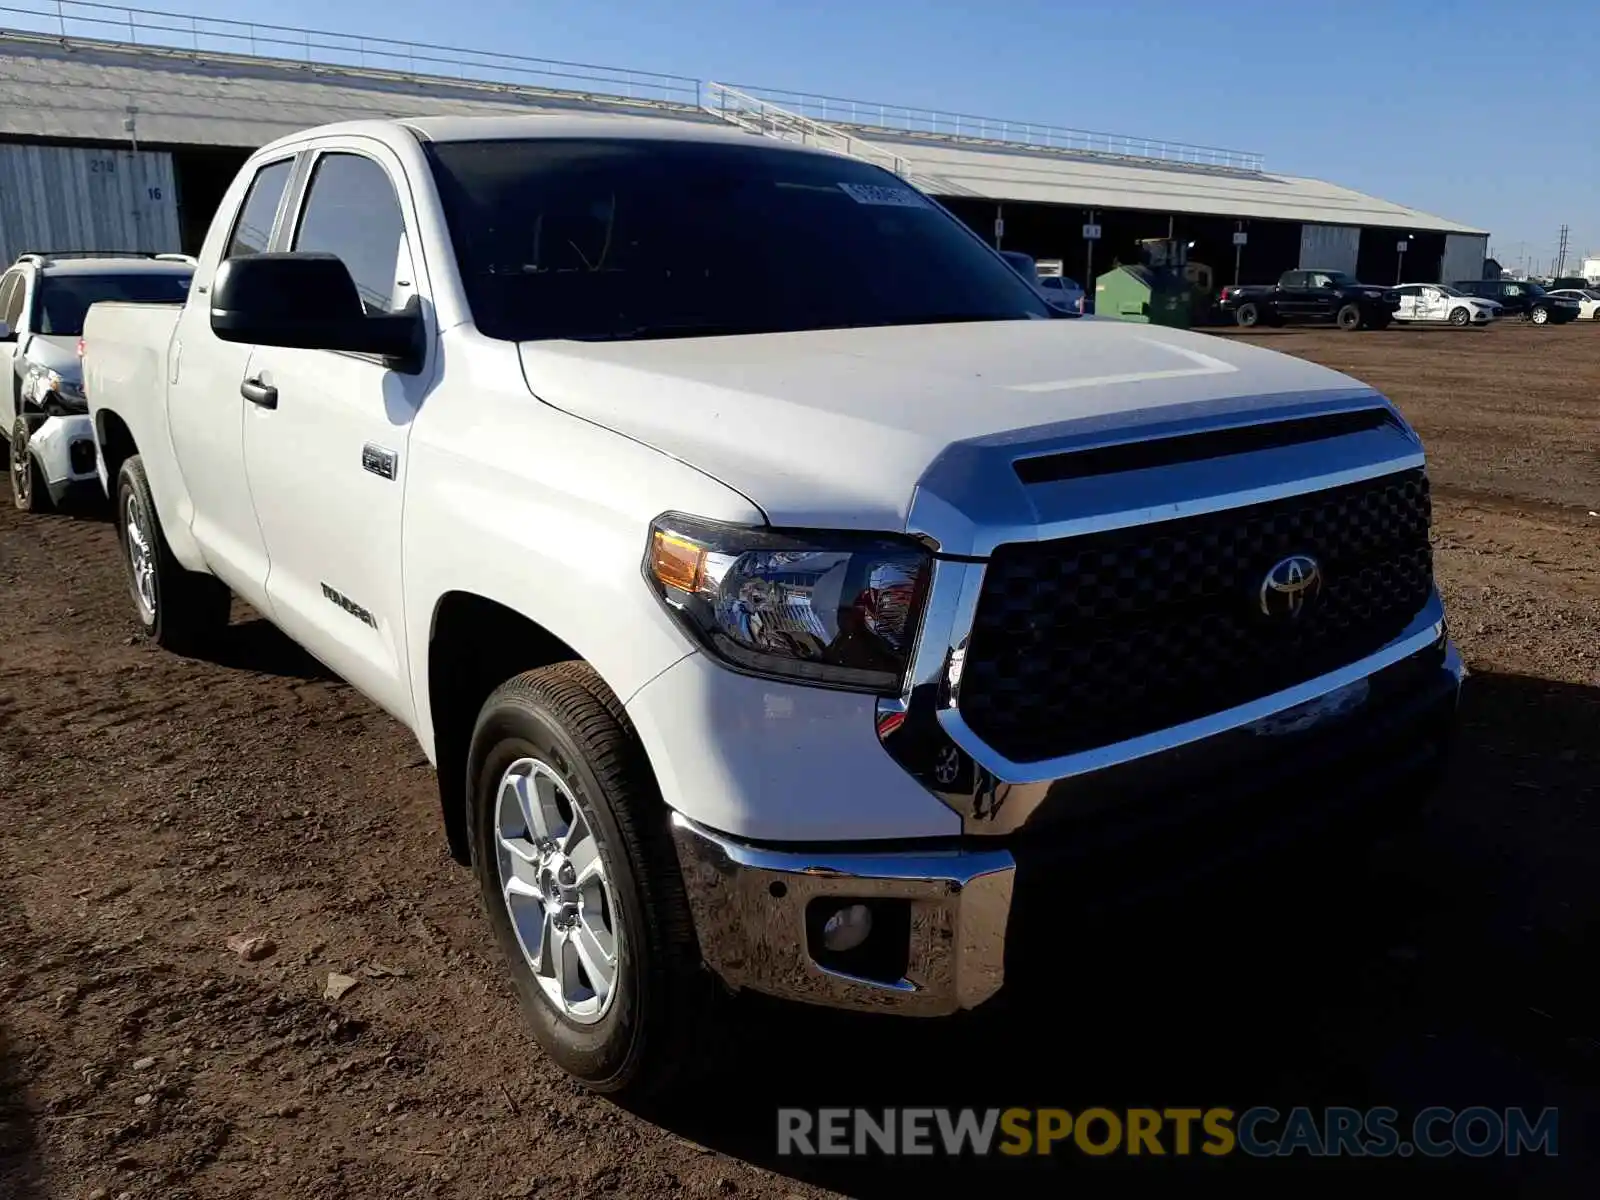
{"x":78,"y":89}
{"x":949,"y":168}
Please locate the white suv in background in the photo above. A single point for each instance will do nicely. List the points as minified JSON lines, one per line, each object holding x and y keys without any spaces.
{"x":43,"y":412}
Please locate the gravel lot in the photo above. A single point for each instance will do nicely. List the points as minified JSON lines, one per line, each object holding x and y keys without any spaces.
{"x":155,"y":808}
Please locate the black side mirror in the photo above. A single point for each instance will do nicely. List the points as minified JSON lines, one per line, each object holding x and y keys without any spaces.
{"x":308,"y":302}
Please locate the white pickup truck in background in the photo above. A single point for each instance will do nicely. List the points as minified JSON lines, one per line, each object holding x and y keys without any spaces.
{"x":810,"y":639}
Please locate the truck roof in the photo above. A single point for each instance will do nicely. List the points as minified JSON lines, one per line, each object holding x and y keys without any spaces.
{"x":539,"y":125}
{"x":111,"y":265}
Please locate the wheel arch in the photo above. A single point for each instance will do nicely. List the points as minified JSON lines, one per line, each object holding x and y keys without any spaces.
{"x":116,"y":445}
{"x":474,"y":645}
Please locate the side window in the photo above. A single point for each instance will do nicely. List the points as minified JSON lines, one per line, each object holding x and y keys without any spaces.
{"x":11,"y":290}
{"x":253,"y":230}
{"x":1294,"y":279}
{"x":351,"y":211}
{"x":1513,"y":290}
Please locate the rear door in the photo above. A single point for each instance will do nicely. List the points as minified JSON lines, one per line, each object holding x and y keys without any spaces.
{"x":1410,"y":303}
{"x":205,"y":409}
{"x":327,"y":465}
{"x":1431,"y":305}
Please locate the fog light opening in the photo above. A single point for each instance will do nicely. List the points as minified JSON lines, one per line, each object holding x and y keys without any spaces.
{"x":847,"y":928}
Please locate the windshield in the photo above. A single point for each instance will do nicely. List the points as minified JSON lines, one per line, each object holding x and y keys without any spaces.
{"x":1447,"y":289}
{"x":63,"y":300}
{"x":641,"y":238}
{"x":1534,"y":289}
{"x":1339,"y":278}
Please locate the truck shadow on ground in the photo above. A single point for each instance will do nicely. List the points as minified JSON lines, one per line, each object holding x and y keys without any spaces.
{"x":253,"y":643}
{"x":20,"y":1169}
{"x":1446,"y":965}
{"x":19,"y":1163}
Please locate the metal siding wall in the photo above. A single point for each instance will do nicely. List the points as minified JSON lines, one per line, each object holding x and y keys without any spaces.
{"x":77,"y":198}
{"x":1463,"y":257}
{"x":1330,"y":247}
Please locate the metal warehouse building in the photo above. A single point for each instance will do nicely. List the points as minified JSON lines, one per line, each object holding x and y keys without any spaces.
{"x":129,"y":144}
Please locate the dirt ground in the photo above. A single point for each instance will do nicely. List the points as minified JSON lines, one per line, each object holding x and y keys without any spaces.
{"x":152,"y":808}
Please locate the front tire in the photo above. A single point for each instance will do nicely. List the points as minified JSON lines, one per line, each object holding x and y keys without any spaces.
{"x":1540,"y":316}
{"x":1459,"y":317}
{"x":1349,"y":318}
{"x":29,"y":491}
{"x":178,"y":609}
{"x":573,"y":857}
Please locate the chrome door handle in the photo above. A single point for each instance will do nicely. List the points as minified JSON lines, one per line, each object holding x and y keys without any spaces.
{"x":262,"y":394}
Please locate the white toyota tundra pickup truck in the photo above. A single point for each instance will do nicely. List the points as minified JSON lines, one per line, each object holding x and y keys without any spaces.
{"x":788,"y":600}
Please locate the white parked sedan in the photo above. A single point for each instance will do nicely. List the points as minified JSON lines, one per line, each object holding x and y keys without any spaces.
{"x":1588,"y":301}
{"x":1441,"y":302}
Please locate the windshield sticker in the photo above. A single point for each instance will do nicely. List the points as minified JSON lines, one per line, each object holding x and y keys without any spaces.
{"x":891,"y":197}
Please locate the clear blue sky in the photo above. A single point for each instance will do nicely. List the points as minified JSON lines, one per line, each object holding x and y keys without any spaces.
{"x":1476,"y":110}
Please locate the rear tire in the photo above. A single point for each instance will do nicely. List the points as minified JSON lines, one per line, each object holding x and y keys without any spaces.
{"x":1349,"y":318}
{"x":1247,"y":316}
{"x":1459,"y":317}
{"x":561,"y":733}
{"x":178,"y":609}
{"x":29,"y":491}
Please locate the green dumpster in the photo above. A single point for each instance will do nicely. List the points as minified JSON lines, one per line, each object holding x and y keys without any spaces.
{"x":1151,"y":295}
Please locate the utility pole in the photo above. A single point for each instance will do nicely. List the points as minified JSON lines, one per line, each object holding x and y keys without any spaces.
{"x":1561,"y":254}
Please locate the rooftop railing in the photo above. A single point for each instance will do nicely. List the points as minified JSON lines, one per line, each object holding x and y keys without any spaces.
{"x":155,"y":28}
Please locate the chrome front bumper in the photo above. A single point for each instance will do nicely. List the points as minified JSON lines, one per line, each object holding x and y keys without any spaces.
{"x":749,"y":905}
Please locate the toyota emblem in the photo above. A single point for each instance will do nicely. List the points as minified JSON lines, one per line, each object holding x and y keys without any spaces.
{"x":1291,"y":584}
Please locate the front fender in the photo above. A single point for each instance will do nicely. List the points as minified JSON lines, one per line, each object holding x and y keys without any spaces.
{"x":547,"y":515}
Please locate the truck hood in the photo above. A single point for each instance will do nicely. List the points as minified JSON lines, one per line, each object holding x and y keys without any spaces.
{"x":58,"y":354}
{"x":835,"y":428}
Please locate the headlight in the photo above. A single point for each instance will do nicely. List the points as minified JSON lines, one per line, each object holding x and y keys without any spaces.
{"x":60,"y":396}
{"x":833,"y":609}
{"x":69,"y":389}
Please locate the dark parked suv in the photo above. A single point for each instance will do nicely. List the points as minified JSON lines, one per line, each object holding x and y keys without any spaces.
{"x":1519,"y":299}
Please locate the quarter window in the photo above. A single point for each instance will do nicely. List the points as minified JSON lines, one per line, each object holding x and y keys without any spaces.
{"x":253,"y":231}
{"x":351,"y":211}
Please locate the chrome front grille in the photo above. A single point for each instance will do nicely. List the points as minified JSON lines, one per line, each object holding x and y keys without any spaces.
{"x":1086,"y":641}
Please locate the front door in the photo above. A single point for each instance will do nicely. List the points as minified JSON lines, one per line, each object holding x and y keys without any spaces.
{"x":327,"y":464}
{"x":207,"y":412}
{"x":13,"y":289}
{"x":1323,"y":302}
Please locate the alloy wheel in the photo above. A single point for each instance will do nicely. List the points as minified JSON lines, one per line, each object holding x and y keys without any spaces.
{"x":141,"y":556}
{"x":557,"y":892}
